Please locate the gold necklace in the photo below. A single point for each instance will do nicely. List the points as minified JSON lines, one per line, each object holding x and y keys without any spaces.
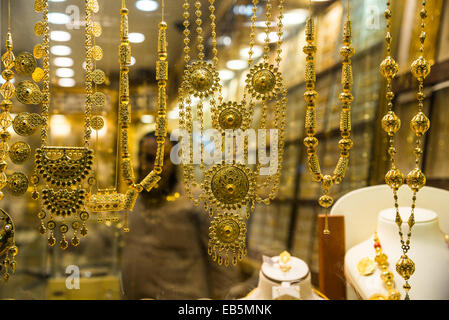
{"x":109,"y":200}
{"x":419,"y":124}
{"x":346,"y":97}
{"x":63,"y":169}
{"x":228,"y":187}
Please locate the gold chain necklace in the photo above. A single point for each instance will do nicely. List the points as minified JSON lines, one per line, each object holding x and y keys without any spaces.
{"x":346,"y":97}
{"x":419,"y":124}
{"x":228,"y":187}
{"x":63,"y":169}
{"x":110,"y":200}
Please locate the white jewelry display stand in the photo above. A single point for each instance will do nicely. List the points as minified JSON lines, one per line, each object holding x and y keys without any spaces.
{"x":428,"y":250}
{"x":283,"y":285}
{"x":363,"y":210}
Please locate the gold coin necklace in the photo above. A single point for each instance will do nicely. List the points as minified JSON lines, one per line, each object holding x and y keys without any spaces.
{"x":346,"y":97}
{"x":228,"y":188}
{"x":61,"y":171}
{"x":391,"y":124}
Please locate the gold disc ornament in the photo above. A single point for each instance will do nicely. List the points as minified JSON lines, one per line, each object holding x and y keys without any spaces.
{"x":38,"y":75}
{"x":39,"y":28}
{"x":97,"y":52}
{"x":264,"y":81}
{"x":99,"y":99}
{"x":27,"y":92}
{"x":97,"y":123}
{"x":38,"y":51}
{"x":203,"y":79}
{"x":227,"y":235}
{"x":230,"y":186}
{"x":98,"y":76}
{"x":25,"y":63}
{"x":25,"y":124}
{"x":17,"y":184}
{"x":232,"y":116}
{"x":19,"y":152}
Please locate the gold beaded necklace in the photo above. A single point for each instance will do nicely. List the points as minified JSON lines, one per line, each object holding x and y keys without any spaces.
{"x":229,"y":186}
{"x":419,"y":124}
{"x":63,"y":169}
{"x":346,"y":97}
{"x":110,"y":200}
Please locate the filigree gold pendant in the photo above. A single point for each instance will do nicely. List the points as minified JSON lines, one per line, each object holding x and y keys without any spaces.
{"x":64,"y":166}
{"x":19,"y":152}
{"x":264,"y":81}
{"x":27,"y":92}
{"x":25,"y":63}
{"x":17,"y":184}
{"x":106,"y":201}
{"x":25,"y":124}
{"x":229,"y":186}
{"x":232,"y":116}
{"x":8,"y":249}
{"x":227,"y":239}
{"x":202,"y":79}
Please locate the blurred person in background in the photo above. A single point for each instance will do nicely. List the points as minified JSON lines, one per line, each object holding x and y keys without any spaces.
{"x":165,"y":253}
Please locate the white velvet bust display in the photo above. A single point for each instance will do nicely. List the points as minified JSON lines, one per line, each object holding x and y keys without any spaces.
{"x":277,"y":284}
{"x":428,"y":250}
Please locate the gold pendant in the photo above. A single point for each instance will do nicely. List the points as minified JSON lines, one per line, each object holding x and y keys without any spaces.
{"x":366,"y":266}
{"x":25,"y":63}
{"x":64,"y":166}
{"x":106,"y":200}
{"x":17,"y":184}
{"x":203,"y":80}
{"x":25,"y":124}
{"x":264,"y":81}
{"x":19,"y":152}
{"x":232,"y":116}
{"x":227,"y":239}
{"x":230,"y":186}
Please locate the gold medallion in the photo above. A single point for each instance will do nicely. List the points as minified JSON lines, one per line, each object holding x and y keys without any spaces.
{"x":17,"y":184}
{"x":38,"y":51}
{"x":264,"y":81}
{"x":97,"y":123}
{"x":25,"y":63}
{"x":99,"y":99}
{"x":19,"y":152}
{"x":38,"y":75}
{"x":39,"y":28}
{"x":366,"y":266}
{"x":227,"y":238}
{"x":26,"y":92}
{"x":229,"y":186}
{"x":203,"y":79}
{"x":98,"y":76}
{"x":97,"y":52}
{"x":231,"y":115}
{"x":25,"y":124}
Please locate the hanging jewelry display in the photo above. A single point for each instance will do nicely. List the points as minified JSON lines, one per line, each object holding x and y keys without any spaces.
{"x":109,"y":200}
{"x":228,"y":187}
{"x":346,"y":97}
{"x":419,"y":124}
{"x":60,"y":171}
{"x":8,"y":249}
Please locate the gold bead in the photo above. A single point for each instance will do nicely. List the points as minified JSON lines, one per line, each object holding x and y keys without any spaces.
{"x":420,"y":68}
{"x":310,"y":142}
{"x":391,"y":123}
{"x":405,"y":267}
{"x":416,"y":179}
{"x":394,"y":179}
{"x":389,"y":68}
{"x":420,"y":123}
{"x":326,"y":182}
{"x":325,"y":201}
{"x":345,"y":144}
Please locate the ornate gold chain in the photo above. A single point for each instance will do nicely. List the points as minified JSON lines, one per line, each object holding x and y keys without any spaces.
{"x":346,"y":97}
{"x":391,"y":124}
